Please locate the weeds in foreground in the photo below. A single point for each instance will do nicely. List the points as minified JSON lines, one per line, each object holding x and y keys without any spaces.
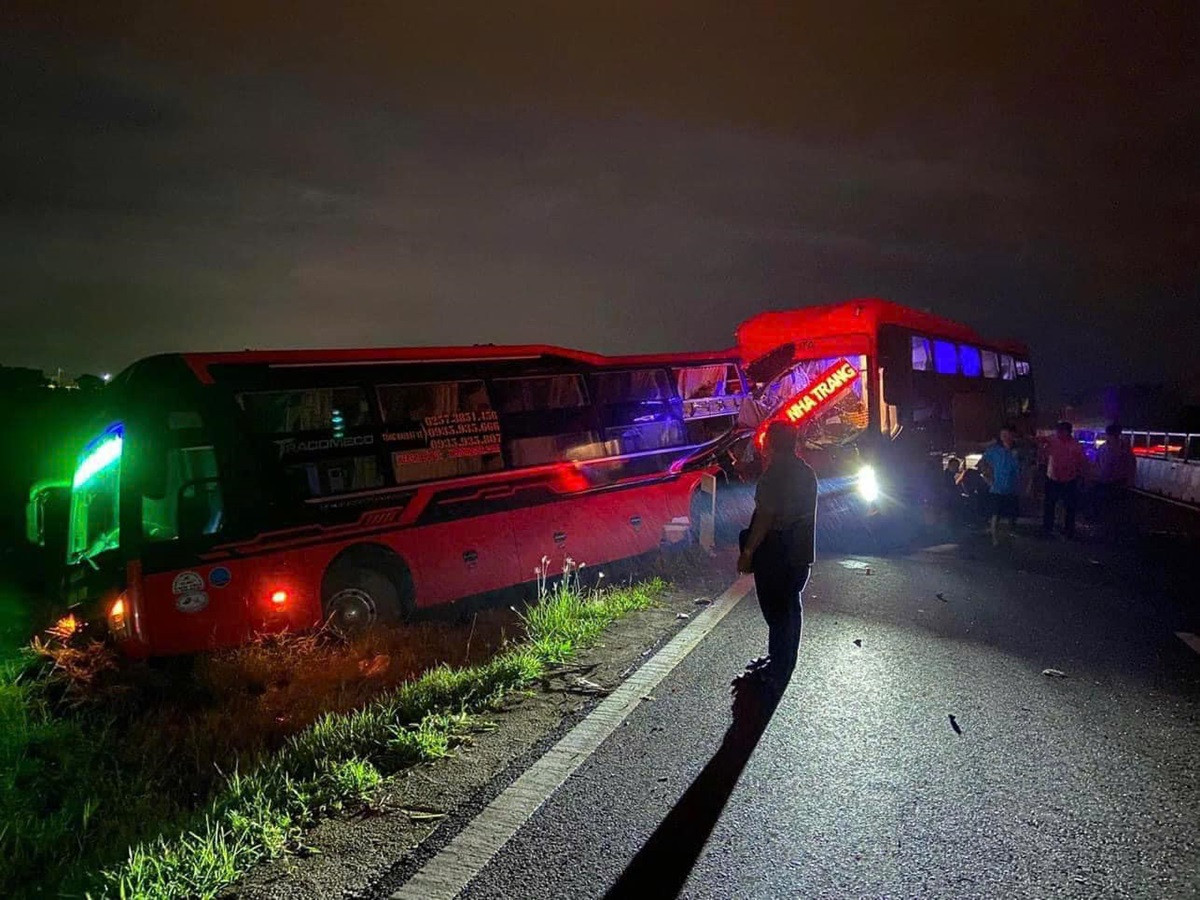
{"x":75,"y":788}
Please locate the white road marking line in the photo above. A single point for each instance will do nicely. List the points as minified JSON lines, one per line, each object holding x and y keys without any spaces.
{"x":444,"y":876}
{"x":1190,"y":639}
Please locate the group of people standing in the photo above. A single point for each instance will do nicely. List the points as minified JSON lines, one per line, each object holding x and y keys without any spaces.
{"x":1064,"y":469}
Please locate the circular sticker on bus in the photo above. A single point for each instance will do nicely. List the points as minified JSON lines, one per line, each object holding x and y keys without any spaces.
{"x":191,"y":602}
{"x":187,"y":582}
{"x":219,"y":577}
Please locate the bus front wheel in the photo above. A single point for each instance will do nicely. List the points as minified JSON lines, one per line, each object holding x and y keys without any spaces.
{"x":359,"y":594}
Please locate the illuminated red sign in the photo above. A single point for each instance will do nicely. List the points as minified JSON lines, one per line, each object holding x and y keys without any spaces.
{"x":820,"y":393}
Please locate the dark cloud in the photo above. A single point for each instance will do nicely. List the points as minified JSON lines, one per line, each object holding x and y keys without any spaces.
{"x":215,"y":176}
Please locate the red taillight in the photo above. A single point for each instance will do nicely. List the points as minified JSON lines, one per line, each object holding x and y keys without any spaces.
{"x":279,"y":598}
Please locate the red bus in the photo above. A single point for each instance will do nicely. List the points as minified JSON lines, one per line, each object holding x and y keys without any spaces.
{"x":882,"y":390}
{"x":228,"y":494}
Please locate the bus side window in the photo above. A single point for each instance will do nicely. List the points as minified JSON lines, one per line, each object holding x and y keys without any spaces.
{"x":922,"y":358}
{"x":639,"y":411}
{"x":969,"y":361}
{"x":1008,"y":369}
{"x":310,"y":409}
{"x":192,"y":503}
{"x":991,"y":364}
{"x":440,"y":429}
{"x":945,"y":358}
{"x":546,"y":419}
{"x":322,"y":435}
{"x":701,"y":382}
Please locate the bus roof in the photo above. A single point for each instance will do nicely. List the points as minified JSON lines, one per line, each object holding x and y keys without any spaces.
{"x":857,"y":319}
{"x":201,"y":363}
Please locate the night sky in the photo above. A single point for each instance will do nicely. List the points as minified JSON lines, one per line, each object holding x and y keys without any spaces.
{"x":211,"y":176}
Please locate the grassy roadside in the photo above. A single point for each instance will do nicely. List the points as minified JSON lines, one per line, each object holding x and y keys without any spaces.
{"x":260,"y":807}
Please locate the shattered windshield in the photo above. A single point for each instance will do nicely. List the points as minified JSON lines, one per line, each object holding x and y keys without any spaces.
{"x":840,"y":421}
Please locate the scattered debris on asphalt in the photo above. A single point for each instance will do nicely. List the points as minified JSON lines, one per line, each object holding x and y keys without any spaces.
{"x":682,"y":616}
{"x":941,"y":597}
{"x":858,"y":642}
{"x":649,"y":698}
{"x":867,"y":571}
{"x":954,"y":725}
{"x":422,"y":815}
{"x":702,"y":601}
{"x":1054,"y":673}
{"x":587,"y":686}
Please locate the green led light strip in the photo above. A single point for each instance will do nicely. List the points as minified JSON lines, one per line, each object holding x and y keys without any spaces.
{"x":98,"y":460}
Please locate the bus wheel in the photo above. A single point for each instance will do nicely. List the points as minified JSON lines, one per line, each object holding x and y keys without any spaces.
{"x":358,"y":595}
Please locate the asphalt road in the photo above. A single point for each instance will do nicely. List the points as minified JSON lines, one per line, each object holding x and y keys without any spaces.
{"x":1083,"y":786}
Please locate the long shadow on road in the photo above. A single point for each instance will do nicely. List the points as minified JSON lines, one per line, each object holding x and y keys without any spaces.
{"x":662,"y":866}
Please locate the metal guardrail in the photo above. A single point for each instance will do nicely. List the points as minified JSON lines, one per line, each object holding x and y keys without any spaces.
{"x":1165,"y":445}
{"x":1168,"y":464}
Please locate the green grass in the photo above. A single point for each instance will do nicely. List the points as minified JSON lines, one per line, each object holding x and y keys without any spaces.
{"x":102,"y":802}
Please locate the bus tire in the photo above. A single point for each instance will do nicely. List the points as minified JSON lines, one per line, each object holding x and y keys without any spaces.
{"x":365,"y":587}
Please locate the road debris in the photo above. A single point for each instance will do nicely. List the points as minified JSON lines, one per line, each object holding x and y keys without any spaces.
{"x":941,"y":597}
{"x":587,"y":686}
{"x":858,"y":642}
{"x":422,"y":815}
{"x":702,"y":601}
{"x":682,"y":616}
{"x":954,"y":725}
{"x":1054,"y":673}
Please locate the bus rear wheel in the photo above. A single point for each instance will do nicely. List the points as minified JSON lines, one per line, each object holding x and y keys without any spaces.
{"x":358,"y":596}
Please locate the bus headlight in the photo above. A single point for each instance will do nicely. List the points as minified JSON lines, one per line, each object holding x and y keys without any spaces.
{"x":868,"y":484}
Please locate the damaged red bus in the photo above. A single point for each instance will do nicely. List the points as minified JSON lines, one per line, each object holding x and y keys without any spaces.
{"x":229,"y":494}
{"x":882,"y":391}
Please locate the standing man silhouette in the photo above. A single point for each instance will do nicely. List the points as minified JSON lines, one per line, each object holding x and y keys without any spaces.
{"x":779,"y":547}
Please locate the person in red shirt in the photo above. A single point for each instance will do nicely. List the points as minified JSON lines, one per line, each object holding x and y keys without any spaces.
{"x":1065,"y":468}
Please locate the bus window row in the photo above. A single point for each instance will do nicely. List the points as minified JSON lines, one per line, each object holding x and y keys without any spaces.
{"x":448,"y":429}
{"x":949,"y":358}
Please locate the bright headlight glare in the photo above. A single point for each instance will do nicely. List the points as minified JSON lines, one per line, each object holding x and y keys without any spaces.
{"x":868,"y":484}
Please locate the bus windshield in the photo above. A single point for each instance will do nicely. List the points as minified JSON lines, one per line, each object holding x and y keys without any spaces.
{"x":95,"y":493}
{"x":839,"y":422}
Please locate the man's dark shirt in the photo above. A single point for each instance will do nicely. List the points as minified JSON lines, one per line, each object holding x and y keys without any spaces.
{"x":787,"y":492}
